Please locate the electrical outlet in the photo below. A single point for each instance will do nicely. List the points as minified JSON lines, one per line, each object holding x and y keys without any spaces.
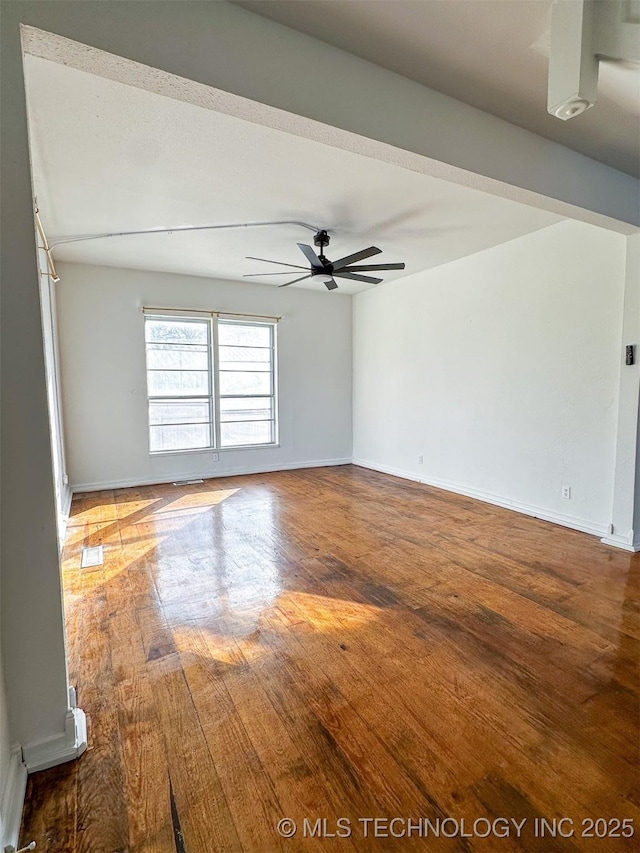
{"x":420,"y":459}
{"x":215,"y":457}
{"x":566,"y":492}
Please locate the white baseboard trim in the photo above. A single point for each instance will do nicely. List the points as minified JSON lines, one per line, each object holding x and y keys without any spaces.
{"x":65,"y":510}
{"x":67,"y":497}
{"x":59,"y":748}
{"x":207,"y":475}
{"x":487,"y":497}
{"x":12,"y":800}
{"x":617,"y":540}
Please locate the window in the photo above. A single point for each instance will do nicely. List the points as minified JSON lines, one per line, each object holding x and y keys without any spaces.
{"x":246,"y":383}
{"x":211,"y":383}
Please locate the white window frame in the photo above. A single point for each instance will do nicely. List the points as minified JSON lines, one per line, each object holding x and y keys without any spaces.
{"x":214,"y":395}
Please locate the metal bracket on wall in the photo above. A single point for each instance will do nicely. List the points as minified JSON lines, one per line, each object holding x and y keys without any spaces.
{"x":45,"y":247}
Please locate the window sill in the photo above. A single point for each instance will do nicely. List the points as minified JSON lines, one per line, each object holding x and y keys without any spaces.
{"x":211,"y":449}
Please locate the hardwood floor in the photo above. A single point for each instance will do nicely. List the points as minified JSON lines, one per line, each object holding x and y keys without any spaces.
{"x":337,"y":643}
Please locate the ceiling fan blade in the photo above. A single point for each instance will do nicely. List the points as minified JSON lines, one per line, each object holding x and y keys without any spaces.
{"x":372,"y":267}
{"x":331,"y":284}
{"x":310,"y":255}
{"x":366,"y":278}
{"x":280,"y":264}
{"x":282,"y":272}
{"x":358,"y":256}
{"x":295,"y":281}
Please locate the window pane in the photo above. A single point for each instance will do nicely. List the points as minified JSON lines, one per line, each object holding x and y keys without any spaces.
{"x":177,"y":331}
{"x":242,"y":354}
{"x":169,"y":383}
{"x":186,"y":437}
{"x":254,"y":366}
{"x":256,"y":432}
{"x":245,"y":382}
{"x":251,"y":409}
{"x":241,"y":335}
{"x":177,"y":357}
{"x":179,"y":412}
{"x":179,"y":367}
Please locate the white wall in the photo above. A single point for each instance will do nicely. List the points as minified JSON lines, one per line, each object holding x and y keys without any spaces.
{"x":632,"y":374}
{"x":636,"y":511}
{"x":626,"y":528}
{"x":5,"y":748}
{"x":104,"y":382}
{"x":33,"y":651}
{"x":13,"y":776}
{"x":501,"y":370}
{"x":5,"y":740}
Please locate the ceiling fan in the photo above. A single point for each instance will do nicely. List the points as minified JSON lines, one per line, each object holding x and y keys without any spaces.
{"x":322,"y":269}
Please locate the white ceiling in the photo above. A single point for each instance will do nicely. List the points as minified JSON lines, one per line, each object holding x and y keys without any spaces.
{"x":492,"y":54}
{"x":110,"y":157}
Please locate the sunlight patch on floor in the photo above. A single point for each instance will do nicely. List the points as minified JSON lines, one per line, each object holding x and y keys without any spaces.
{"x":325,"y":612}
{"x":224,"y":648}
{"x":197,"y":501}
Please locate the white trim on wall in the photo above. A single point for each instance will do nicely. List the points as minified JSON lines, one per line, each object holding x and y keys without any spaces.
{"x":12,"y":799}
{"x":65,"y":511}
{"x":58,"y":749}
{"x":486,"y":497}
{"x":617,"y":540}
{"x":232,"y":472}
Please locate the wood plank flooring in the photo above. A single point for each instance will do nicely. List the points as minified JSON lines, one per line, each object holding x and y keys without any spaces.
{"x":341,"y":644}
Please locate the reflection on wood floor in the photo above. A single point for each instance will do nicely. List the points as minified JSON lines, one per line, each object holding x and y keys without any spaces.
{"x":338,"y":643}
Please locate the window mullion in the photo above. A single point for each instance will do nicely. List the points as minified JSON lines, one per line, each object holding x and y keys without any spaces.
{"x":215,"y":381}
